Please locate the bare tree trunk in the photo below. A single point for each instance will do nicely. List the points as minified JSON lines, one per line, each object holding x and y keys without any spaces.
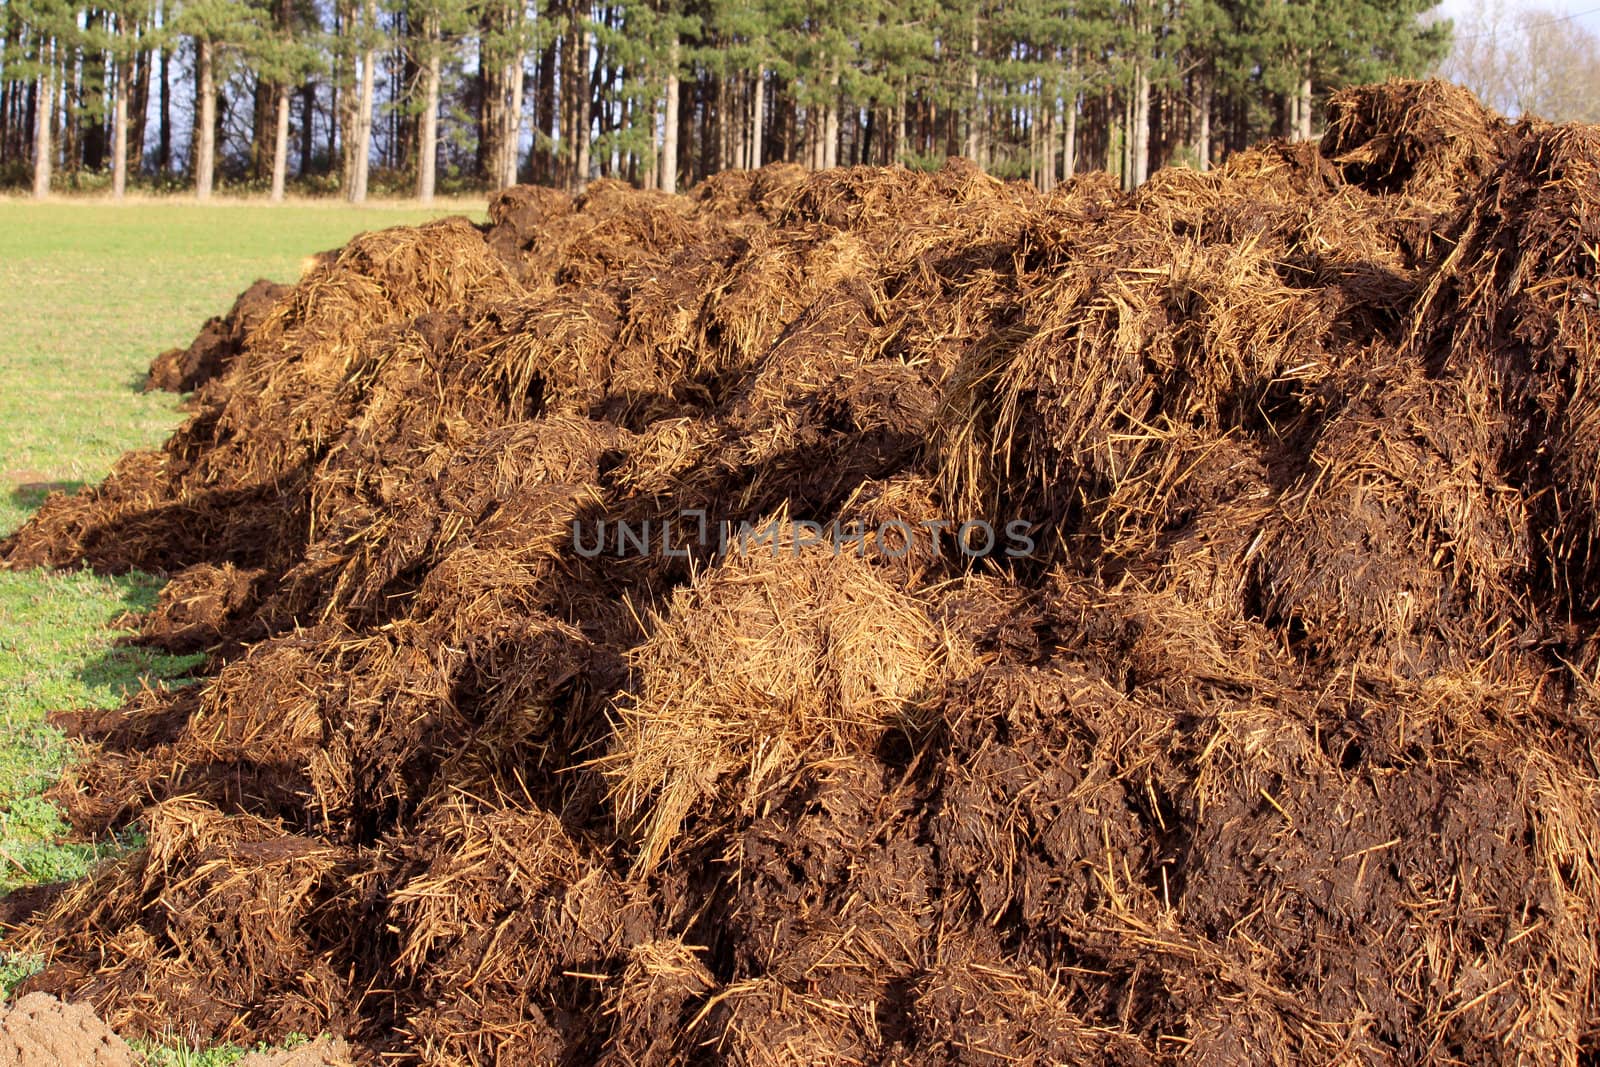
{"x":669,"y":130}
{"x":360,"y":160}
{"x":138,"y":113}
{"x":280,"y":143}
{"x":164,"y":132}
{"x":503,"y":166}
{"x":897,"y":136}
{"x":1047,"y":133}
{"x":1118,"y":133}
{"x":830,"y":125}
{"x":972,"y":89}
{"x":308,"y":122}
{"x":1069,"y":138}
{"x":739,"y":135}
{"x":1139,"y":139}
{"x":1202,"y":122}
{"x":428,"y":154}
{"x":119,"y":135}
{"x":724,"y":128}
{"x":1030,"y":115}
{"x":1305,"y":109}
{"x":511,"y":139}
{"x":73,"y":113}
{"x":205,"y":153}
{"x":45,"y":117}
{"x":652,"y":166}
{"x":580,"y":176}
{"x":758,"y":117}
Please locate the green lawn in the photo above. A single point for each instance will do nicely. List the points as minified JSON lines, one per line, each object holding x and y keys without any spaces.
{"x":89,"y":292}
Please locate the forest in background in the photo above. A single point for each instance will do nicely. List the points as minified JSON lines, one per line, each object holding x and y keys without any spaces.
{"x":408,"y":97}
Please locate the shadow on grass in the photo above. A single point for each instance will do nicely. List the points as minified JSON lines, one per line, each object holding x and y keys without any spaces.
{"x":126,"y":666}
{"x":39,"y":851}
{"x":30,"y":496}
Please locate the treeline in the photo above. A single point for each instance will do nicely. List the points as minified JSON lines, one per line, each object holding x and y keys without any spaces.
{"x":331,"y":93}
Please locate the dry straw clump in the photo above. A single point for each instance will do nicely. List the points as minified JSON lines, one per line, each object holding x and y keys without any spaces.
{"x":778,"y":656}
{"x":1277,"y":745}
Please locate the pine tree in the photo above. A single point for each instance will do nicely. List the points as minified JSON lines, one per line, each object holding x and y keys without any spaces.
{"x":283,"y":49}
{"x":52,"y":34}
{"x":439,"y":26}
{"x":220,"y":30}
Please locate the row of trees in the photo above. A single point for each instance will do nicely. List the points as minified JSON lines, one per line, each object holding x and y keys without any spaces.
{"x":663,"y":92}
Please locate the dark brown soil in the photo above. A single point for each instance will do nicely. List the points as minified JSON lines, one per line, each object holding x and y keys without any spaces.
{"x":1278,"y":747}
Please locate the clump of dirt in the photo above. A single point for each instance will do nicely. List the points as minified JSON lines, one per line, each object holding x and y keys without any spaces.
{"x":37,"y":1030}
{"x":874,"y":616}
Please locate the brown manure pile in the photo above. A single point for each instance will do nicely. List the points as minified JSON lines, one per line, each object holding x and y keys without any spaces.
{"x":884,"y":618}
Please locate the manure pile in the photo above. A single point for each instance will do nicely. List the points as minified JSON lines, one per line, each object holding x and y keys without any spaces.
{"x":1276,"y":744}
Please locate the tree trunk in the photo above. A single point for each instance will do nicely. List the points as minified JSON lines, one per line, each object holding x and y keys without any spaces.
{"x":164,"y":132}
{"x":280,"y":143}
{"x":137,"y":118}
{"x":739,"y":121}
{"x":580,"y":129}
{"x":308,"y":119}
{"x":1030,"y":118}
{"x":787,"y":113}
{"x":263,"y":107}
{"x":428,"y":148}
{"x":511,"y":137}
{"x":1202,"y":126}
{"x":504,"y":110}
{"x":669,"y":128}
{"x":205,"y":152}
{"x":1155,"y":146}
{"x":44,"y":119}
{"x":336,"y":119}
{"x":726,"y":92}
{"x":897,"y":135}
{"x":1305,"y":109}
{"x":1116,"y":120}
{"x":342,"y":121}
{"x":830,"y":125}
{"x":119,"y":134}
{"x":490,"y":94}
{"x":544,"y":117}
{"x":972,"y":92}
{"x":651,"y":178}
{"x":1069,"y":139}
{"x":758,"y":119}
{"x":360,"y":160}
{"x":1139,"y":139}
{"x":1047,"y":134}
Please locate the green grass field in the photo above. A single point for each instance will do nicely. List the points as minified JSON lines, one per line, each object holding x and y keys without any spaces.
{"x":89,"y":293}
